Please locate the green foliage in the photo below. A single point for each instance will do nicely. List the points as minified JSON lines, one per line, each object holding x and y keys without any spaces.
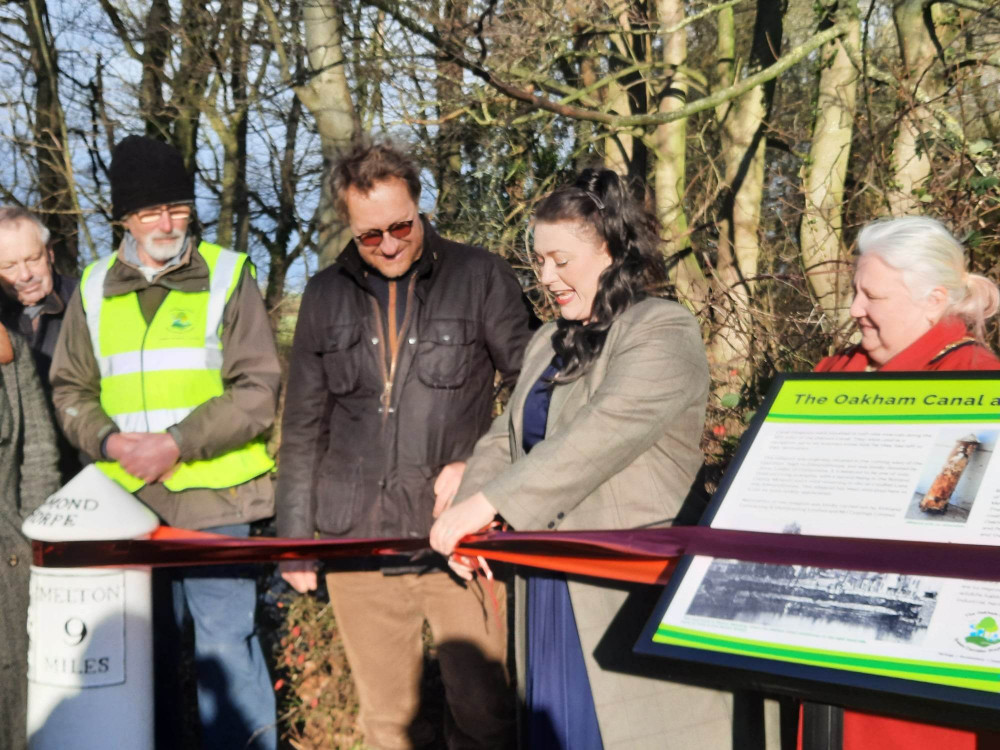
{"x":981,"y":146}
{"x":982,"y":185}
{"x":730,"y":400}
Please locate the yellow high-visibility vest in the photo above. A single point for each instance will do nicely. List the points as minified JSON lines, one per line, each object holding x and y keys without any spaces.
{"x":152,"y":376}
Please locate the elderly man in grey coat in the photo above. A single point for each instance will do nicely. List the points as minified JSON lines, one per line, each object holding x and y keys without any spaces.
{"x":28,"y":474}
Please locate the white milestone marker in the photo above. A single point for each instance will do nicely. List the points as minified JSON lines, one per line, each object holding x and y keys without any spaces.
{"x":90,"y":664}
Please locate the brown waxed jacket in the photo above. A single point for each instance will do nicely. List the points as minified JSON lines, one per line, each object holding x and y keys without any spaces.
{"x":356,"y":464}
{"x":250,"y":372}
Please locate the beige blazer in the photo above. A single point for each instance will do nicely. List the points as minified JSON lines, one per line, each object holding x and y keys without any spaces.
{"x":621,"y":450}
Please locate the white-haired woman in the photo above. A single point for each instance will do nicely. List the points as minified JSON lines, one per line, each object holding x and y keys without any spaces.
{"x":918,"y":308}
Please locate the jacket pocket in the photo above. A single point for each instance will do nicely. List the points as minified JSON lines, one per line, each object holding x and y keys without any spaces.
{"x":338,"y":496}
{"x":341,"y":358}
{"x":445,"y":353}
{"x":415,"y":502}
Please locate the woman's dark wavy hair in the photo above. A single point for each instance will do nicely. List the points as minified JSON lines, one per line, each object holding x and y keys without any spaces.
{"x":599,"y":199}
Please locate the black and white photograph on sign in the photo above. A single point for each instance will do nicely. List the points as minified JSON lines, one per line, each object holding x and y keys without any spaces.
{"x":952,"y":474}
{"x":843,"y":604}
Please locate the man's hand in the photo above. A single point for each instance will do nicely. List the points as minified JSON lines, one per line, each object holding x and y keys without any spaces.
{"x":150,"y":456}
{"x":465,"y":518}
{"x":446,"y":486}
{"x":119,"y":443}
{"x":299,"y":574}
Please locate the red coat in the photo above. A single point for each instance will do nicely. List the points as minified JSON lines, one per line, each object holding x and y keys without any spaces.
{"x":947,"y":346}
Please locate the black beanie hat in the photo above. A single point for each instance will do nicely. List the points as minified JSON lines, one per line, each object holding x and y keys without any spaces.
{"x":146,"y":172}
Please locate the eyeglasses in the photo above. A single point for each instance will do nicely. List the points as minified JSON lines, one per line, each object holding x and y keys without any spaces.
{"x":372,"y":238}
{"x":152,"y":215}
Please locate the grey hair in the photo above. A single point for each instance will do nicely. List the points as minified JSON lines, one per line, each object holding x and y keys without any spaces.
{"x":10,"y":215}
{"x":929,"y":256}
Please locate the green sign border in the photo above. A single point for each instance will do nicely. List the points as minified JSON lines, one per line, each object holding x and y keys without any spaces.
{"x":887,"y":401}
{"x":940,"y":673}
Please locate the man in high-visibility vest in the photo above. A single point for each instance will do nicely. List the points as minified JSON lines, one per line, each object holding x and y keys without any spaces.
{"x":166,"y":374}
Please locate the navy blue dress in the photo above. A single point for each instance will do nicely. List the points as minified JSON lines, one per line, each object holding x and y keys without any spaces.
{"x":560,"y":706}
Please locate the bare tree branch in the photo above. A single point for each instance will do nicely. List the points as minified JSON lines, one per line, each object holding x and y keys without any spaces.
{"x":523,"y":94}
{"x":123,"y":32}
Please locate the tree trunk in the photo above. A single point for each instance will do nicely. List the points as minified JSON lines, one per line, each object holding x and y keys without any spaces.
{"x":155,"y":51}
{"x":618,"y":142}
{"x":448,"y":143}
{"x":241,"y":96}
{"x":327,"y":95}
{"x":190,"y":82}
{"x":743,"y":142}
{"x":58,"y":209}
{"x":917,"y":32}
{"x":230,"y":128}
{"x":824,"y":255}
{"x":671,"y":151}
{"x":230,"y":177}
{"x":284,"y":218}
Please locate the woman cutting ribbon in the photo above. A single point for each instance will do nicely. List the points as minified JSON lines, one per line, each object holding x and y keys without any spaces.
{"x":601,"y":432}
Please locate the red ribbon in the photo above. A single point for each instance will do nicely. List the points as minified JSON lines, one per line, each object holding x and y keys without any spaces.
{"x":639,"y":555}
{"x":171,"y":546}
{"x":649,"y":555}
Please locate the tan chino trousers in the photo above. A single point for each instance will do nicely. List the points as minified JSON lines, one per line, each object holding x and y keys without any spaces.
{"x":381,"y":619}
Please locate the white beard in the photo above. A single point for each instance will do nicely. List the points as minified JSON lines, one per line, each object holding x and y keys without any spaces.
{"x":162,"y":251}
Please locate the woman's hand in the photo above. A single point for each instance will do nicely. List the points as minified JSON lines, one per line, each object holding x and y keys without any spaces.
{"x":459,"y":520}
{"x":462,"y":566}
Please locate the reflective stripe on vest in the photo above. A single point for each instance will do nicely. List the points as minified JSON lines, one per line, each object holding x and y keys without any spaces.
{"x":153,"y":375}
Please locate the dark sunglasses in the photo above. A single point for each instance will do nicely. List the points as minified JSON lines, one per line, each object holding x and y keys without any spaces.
{"x":373,"y":237}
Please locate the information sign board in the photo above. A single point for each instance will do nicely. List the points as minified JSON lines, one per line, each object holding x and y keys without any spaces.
{"x":908,"y":456}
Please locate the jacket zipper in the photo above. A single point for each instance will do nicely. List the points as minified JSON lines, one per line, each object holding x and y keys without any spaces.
{"x":389,"y":371}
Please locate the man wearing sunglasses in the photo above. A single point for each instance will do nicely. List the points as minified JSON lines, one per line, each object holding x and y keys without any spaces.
{"x":166,"y":374}
{"x":391,"y":382}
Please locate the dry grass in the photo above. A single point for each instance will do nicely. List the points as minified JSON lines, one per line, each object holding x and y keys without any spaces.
{"x":318,"y":705}
{"x":317,"y":702}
